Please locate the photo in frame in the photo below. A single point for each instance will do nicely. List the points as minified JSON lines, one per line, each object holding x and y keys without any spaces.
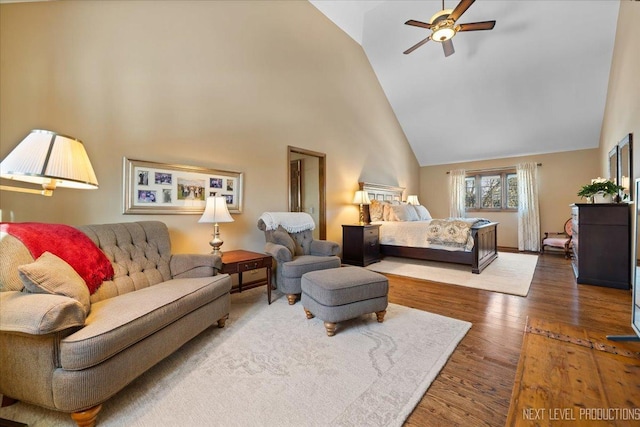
{"x":159,"y":188}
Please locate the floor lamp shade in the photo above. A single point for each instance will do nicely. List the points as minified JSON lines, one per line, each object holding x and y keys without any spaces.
{"x":50,"y":159}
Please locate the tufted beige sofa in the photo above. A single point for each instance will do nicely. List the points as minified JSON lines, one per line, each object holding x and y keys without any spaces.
{"x":54,"y":355}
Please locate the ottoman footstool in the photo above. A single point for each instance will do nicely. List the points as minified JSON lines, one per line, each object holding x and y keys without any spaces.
{"x":339,"y":294}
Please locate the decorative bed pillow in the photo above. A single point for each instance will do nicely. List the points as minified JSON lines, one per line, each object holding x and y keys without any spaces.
{"x":402,"y":213}
{"x":423,"y":213}
{"x":49,"y":274}
{"x":376,"y":210}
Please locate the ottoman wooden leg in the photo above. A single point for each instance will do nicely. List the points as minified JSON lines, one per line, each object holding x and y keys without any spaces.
{"x":291,"y":298}
{"x":331,"y":328}
{"x":309,"y":314}
{"x":380,"y":315}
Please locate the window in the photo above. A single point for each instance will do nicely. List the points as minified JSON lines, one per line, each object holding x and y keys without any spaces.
{"x":491,"y":191}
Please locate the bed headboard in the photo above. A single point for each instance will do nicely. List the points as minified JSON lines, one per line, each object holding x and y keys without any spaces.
{"x":380,"y":192}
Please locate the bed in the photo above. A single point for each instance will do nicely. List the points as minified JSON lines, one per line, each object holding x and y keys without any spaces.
{"x":402,"y":237}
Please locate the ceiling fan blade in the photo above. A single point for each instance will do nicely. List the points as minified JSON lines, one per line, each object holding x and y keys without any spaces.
{"x":460,"y":9}
{"x":447,"y":45}
{"x":477,"y":26}
{"x":418,"y":24}
{"x":417,"y":45}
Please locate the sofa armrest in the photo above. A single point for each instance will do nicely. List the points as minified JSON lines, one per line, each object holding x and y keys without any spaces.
{"x":324,"y":248}
{"x":279,"y":252}
{"x":194,"y":265}
{"x":39,"y":314}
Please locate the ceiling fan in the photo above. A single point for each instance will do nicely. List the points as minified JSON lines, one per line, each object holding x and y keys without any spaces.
{"x":443,"y":26}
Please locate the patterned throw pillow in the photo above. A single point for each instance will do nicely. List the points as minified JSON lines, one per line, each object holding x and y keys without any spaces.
{"x":376,"y":210}
{"x":50,"y":274}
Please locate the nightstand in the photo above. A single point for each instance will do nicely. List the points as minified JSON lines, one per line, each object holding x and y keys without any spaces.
{"x":237,"y":262}
{"x":360,"y":244}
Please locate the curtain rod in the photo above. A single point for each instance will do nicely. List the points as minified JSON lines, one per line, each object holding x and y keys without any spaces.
{"x":492,"y":169}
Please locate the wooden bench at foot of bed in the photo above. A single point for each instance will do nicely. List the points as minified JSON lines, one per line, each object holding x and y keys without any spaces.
{"x":485,"y":250}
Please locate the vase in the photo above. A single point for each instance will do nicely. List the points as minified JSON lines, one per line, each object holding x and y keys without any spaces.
{"x":602,"y":198}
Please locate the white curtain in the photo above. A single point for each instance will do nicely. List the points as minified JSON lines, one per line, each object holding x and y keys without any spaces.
{"x":457,"y":193}
{"x":528,"y":211}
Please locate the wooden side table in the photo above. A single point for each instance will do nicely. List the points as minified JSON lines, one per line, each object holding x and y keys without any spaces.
{"x":237,"y":262}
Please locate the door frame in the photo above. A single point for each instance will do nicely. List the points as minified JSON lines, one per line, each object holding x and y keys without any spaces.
{"x":322,"y":215}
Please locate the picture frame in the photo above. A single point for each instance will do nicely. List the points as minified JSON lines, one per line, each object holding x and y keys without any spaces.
{"x":160,"y":188}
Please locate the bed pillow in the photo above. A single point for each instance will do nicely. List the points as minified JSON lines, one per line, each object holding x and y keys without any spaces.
{"x":402,"y":213}
{"x":423,"y":213}
{"x":376,"y":210}
{"x":50,"y":274}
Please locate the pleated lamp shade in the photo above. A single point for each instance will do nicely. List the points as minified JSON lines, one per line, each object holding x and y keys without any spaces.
{"x":50,"y":159}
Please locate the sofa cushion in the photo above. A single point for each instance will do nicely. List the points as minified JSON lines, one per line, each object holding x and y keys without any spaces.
{"x":305,"y":263}
{"x":281,"y":237}
{"x":117,"y":323}
{"x":50,"y":274}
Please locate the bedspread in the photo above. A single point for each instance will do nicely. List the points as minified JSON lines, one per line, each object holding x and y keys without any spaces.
{"x":452,"y":234}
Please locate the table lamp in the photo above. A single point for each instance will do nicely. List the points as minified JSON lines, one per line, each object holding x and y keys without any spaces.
{"x":216,"y":212}
{"x":412,"y":199}
{"x":361,"y":198}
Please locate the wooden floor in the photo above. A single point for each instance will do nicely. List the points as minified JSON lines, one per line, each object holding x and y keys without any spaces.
{"x":474,"y":388}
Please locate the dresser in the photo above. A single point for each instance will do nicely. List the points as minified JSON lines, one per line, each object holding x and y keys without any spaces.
{"x":602,"y":244}
{"x":360,"y":244}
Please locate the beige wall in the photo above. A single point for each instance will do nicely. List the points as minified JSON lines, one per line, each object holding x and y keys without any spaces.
{"x":225,"y":85}
{"x":560,"y":177}
{"x":622,"y":111}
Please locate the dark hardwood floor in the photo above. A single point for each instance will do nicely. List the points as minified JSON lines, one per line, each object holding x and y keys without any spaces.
{"x":474,"y":388}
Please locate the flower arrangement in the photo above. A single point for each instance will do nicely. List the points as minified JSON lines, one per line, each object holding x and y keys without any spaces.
{"x":600,"y":186}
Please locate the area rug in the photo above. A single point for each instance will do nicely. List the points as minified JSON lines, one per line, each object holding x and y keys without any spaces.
{"x":271,"y":366}
{"x":510,"y":273}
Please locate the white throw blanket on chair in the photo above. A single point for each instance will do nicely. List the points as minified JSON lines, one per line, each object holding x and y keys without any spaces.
{"x":293,"y":222}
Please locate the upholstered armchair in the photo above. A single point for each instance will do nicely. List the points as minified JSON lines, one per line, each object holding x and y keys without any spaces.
{"x":559,"y":240}
{"x":290,"y":241}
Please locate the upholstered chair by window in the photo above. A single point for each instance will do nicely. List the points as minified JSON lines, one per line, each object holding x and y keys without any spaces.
{"x":559,"y":240}
{"x":289,"y":239}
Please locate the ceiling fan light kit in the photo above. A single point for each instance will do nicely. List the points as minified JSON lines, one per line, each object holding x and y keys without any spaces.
{"x":443,"y":26}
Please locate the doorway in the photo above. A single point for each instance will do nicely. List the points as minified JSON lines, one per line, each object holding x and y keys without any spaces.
{"x":306,"y":171}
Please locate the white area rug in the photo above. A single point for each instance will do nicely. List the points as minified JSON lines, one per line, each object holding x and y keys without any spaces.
{"x":270,"y":366}
{"x":510,"y":273}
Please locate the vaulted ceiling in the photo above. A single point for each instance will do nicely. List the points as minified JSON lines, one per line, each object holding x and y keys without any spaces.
{"x":536,"y":83}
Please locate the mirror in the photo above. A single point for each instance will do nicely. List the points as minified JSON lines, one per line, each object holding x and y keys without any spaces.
{"x":613,"y":164}
{"x":635,"y":276}
{"x":635,"y":272}
{"x":307,"y":186}
{"x":625,"y":167}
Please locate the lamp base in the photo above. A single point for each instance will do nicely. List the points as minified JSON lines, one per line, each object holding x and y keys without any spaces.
{"x":216,"y":242}
{"x":361,"y":219}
